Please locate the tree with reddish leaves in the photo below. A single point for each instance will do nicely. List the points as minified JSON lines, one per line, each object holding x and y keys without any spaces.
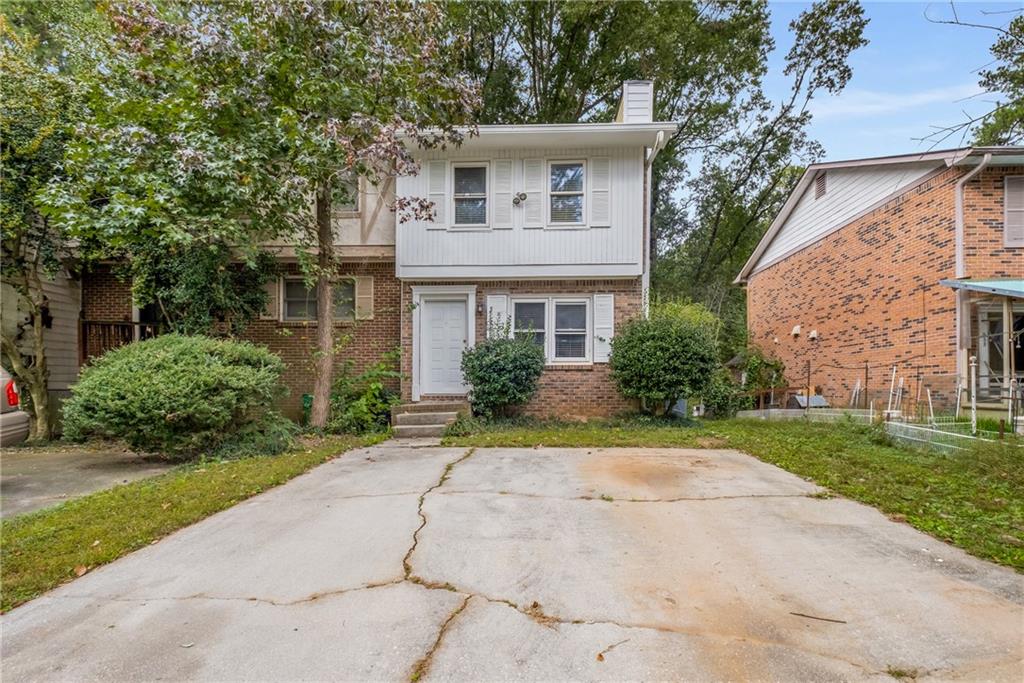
{"x":239,"y":122}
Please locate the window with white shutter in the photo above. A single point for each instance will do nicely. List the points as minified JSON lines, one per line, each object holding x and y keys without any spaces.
{"x":273,"y":308}
{"x":502,"y":209}
{"x":364,"y":297}
{"x":533,"y":187}
{"x":497,"y":313}
{"x":600,"y":192}
{"x":604,"y":326}
{"x":437,"y":189}
{"x":1013,"y":220}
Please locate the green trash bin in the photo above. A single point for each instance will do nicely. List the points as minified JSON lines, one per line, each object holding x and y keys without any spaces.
{"x":307,"y":408}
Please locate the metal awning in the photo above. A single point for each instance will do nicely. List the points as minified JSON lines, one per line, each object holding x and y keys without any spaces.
{"x":1011,"y":288}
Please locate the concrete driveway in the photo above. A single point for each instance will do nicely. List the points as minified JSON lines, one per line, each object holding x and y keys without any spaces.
{"x":32,"y":478}
{"x":396,"y":563}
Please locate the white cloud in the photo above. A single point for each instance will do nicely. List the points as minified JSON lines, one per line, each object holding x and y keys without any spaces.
{"x":854,"y":103}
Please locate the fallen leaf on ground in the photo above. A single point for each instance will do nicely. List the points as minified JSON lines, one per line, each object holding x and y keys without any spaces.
{"x":80,"y":570}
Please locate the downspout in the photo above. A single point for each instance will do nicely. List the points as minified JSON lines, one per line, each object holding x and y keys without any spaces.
{"x":960,"y":272}
{"x":645,"y":279}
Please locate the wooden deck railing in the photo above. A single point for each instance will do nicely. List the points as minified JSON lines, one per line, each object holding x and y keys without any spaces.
{"x":99,"y":336}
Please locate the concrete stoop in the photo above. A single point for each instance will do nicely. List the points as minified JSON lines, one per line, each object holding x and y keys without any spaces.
{"x":416,"y":420}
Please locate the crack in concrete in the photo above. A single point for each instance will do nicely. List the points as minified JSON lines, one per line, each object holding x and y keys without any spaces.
{"x":406,"y":561}
{"x":421,"y":667}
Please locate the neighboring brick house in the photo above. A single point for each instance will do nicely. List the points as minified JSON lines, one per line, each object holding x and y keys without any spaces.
{"x":849,"y":278}
{"x":542,"y":226}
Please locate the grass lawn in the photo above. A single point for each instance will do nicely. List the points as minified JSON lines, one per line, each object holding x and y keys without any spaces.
{"x":44,"y":549}
{"x":974,"y":500}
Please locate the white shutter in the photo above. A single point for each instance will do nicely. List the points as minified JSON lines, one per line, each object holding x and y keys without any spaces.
{"x":438,"y":193}
{"x":604,"y":326}
{"x":497,"y":310}
{"x":533,"y":186}
{"x":600,"y":192}
{"x":272,"y":311}
{"x":502,"y":194}
{"x":364,"y":297}
{"x":1013,"y":221}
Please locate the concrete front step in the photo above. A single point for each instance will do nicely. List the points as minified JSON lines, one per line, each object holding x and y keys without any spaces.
{"x":431,"y":407}
{"x":417,"y":431}
{"x":408,"y":419}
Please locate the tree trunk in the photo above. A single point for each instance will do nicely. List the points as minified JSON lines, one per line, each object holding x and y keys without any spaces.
{"x":323,"y":365}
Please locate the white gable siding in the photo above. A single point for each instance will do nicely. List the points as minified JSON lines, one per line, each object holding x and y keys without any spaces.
{"x":614,"y":249}
{"x":849,"y":192}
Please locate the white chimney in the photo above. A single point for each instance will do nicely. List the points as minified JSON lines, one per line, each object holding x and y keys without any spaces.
{"x":637,"y":102}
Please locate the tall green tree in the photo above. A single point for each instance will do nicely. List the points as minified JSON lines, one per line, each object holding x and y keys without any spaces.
{"x":747,"y":176}
{"x":47,"y":51}
{"x":237,"y":122}
{"x":1002,"y":79}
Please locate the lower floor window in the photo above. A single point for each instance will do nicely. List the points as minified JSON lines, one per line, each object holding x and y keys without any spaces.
{"x":300,"y":302}
{"x":561,"y":326}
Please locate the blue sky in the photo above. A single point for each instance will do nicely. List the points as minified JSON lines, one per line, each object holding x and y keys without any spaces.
{"x":913,"y":74}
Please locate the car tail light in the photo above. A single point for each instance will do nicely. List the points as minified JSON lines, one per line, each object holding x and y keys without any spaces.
{"x":12,"y":393}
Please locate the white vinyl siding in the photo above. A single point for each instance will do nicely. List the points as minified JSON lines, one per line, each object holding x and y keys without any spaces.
{"x":849,"y":192}
{"x":1013,"y":220}
{"x":616,"y":250}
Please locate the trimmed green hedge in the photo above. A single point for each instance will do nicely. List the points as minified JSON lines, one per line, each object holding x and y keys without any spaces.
{"x":183,"y":396}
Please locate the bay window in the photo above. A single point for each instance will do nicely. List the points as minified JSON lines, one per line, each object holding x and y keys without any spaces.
{"x":469,"y":183}
{"x":565,"y":195}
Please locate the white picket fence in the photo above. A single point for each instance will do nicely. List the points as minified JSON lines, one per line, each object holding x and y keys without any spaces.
{"x":944,"y":438}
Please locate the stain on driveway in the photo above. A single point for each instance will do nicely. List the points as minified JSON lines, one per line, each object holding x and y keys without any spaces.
{"x":393,"y":563}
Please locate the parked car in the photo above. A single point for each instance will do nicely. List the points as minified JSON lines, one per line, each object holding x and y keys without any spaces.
{"x":13,"y":420}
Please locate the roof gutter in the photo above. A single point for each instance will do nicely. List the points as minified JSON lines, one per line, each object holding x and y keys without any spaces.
{"x":961,"y":266}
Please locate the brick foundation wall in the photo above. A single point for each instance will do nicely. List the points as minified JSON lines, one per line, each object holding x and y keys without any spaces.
{"x":871,"y":290}
{"x":104,"y":297}
{"x":568,"y":391}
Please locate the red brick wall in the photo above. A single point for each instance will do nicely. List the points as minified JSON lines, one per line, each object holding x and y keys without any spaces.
{"x":985,"y":255}
{"x":565,"y":390}
{"x":106,"y":298}
{"x":871,"y":290}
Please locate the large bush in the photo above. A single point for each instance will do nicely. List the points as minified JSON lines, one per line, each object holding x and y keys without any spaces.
{"x":723,"y":396}
{"x":362,"y":403}
{"x":182,"y":395}
{"x":502,"y":371}
{"x":672,"y":354}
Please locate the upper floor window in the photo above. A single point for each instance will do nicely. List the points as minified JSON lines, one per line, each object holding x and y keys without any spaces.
{"x":469,"y":183}
{"x":346,"y":195}
{"x":300,"y":302}
{"x":566,"y":203}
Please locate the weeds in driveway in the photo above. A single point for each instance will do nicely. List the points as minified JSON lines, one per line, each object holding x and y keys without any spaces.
{"x":974,"y":499}
{"x":44,"y":549}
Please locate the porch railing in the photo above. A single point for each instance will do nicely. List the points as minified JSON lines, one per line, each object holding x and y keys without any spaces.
{"x":96,"y":337}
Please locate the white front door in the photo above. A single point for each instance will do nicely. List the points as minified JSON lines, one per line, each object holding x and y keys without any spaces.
{"x":443,"y":337}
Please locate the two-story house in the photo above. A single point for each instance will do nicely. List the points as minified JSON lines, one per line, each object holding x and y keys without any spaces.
{"x":913,"y":261}
{"x":542,"y":227}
